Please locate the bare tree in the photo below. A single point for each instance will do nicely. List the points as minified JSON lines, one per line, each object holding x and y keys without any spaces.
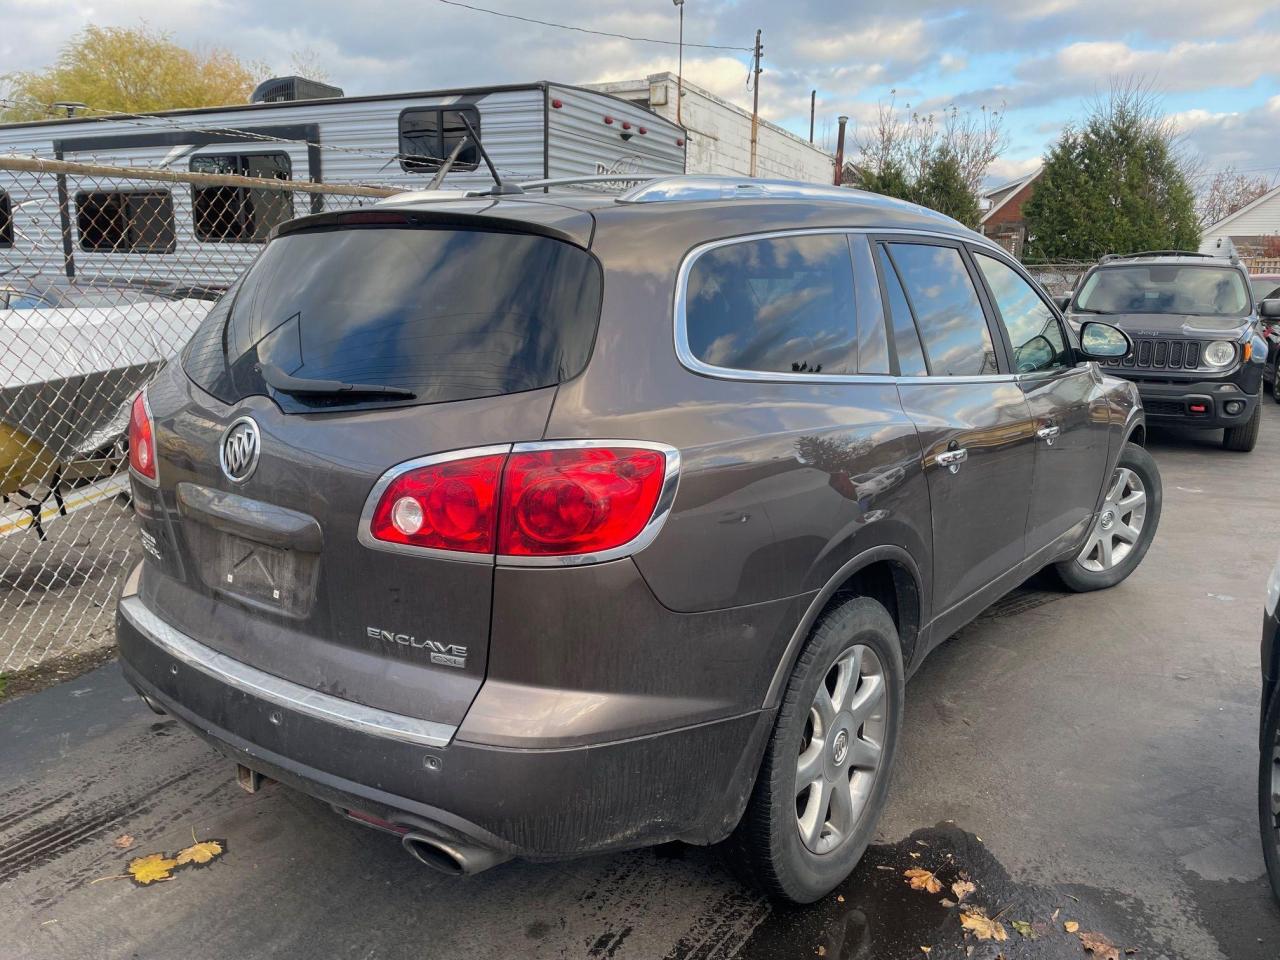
{"x":307,"y":62}
{"x":1228,"y":191}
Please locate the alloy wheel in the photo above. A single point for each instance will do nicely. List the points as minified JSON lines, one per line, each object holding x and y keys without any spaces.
{"x":1118,"y":527}
{"x":1273,"y":837}
{"x":841,"y":750}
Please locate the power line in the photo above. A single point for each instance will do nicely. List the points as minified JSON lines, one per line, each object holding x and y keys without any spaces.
{"x":598,"y":33}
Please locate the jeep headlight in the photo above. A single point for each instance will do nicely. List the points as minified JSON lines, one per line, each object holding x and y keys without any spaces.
{"x":1220,"y":353}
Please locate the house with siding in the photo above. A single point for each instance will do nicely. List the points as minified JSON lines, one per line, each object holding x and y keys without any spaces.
{"x":1252,"y":232}
{"x":1003,"y":221}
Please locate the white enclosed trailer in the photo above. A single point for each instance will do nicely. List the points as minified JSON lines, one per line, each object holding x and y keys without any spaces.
{"x":532,"y":131}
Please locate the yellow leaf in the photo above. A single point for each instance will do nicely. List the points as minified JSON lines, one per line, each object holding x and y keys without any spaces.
{"x":926,"y":949}
{"x":1024,"y":927}
{"x":822,"y":951}
{"x":962,"y":888}
{"x":200,"y":853}
{"x":1071,"y":926}
{"x":151,"y":868}
{"x":920,"y":879}
{"x":983,"y":927}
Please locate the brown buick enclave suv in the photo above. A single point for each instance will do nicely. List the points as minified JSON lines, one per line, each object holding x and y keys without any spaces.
{"x":538,"y":524}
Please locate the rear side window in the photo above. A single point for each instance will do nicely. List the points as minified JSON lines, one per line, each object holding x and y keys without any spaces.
{"x":241,"y":214}
{"x":906,"y":340}
{"x":449,"y":314}
{"x":780,"y":305}
{"x":126,"y":221}
{"x":953,"y":327}
{"x":429,"y":134}
{"x":1034,"y":332}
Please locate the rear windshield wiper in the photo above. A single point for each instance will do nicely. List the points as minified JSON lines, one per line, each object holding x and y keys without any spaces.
{"x":301,"y":386}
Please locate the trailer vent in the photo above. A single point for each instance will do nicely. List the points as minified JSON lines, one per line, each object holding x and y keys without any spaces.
{"x":283,"y":89}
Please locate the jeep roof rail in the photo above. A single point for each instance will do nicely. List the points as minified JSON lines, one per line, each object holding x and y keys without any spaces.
{"x":1107,"y":258}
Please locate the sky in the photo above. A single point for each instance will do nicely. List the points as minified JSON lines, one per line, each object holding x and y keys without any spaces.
{"x":1216,"y":65}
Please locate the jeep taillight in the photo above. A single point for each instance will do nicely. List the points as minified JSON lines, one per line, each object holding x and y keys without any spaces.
{"x":551,"y":500}
{"x":142,"y":443}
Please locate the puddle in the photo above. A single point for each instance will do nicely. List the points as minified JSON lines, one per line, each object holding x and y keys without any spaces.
{"x":875,"y":913}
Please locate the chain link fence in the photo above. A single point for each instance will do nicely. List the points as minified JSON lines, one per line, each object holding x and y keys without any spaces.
{"x":104,"y":273}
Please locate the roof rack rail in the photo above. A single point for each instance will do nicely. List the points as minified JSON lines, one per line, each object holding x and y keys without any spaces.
{"x":594,"y":178}
{"x":1106,"y":258}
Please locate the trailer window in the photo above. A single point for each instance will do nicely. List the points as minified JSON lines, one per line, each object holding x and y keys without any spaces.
{"x":6,"y":220}
{"x":429,"y":134}
{"x":241,"y":214}
{"x":126,"y":221}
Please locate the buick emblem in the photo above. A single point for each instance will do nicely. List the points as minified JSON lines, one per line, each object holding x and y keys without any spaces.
{"x":238,"y":454}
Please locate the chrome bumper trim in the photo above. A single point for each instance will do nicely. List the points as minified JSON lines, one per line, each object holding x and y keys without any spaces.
{"x":277,"y":690}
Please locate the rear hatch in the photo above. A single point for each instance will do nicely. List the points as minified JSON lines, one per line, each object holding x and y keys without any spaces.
{"x":456,"y":335}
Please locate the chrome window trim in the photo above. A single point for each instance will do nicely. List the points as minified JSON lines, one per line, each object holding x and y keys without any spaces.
{"x":279,"y":691}
{"x":647,"y":534}
{"x":365,"y":531}
{"x":155,"y":446}
{"x":684,"y":353}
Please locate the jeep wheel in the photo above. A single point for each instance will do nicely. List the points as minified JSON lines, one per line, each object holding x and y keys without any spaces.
{"x":1243,"y":438}
{"x":1275,"y":379}
{"x":826,"y":768}
{"x":1124,"y":527}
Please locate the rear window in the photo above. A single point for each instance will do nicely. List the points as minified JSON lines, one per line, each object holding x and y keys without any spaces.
{"x":450,"y":314}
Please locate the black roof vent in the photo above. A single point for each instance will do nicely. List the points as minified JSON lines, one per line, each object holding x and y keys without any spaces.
{"x":283,"y":89}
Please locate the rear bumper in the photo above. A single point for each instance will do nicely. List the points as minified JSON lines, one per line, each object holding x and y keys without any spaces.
{"x":689,"y":783}
{"x":1197,"y":404}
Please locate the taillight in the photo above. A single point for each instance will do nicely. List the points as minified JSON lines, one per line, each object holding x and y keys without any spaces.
{"x":142,"y":443}
{"x":568,"y":501}
{"x":551,"y":500}
{"x":442,"y":506}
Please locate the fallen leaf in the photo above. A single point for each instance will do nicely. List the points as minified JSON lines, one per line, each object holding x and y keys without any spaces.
{"x":920,"y":879}
{"x":922,"y":843}
{"x":839,"y":898}
{"x":983,"y":927}
{"x":822,"y":951}
{"x":151,"y":868}
{"x":1024,"y":927}
{"x":947,"y":903}
{"x":1071,"y":926}
{"x":1055,"y":915}
{"x":200,"y":853}
{"x":926,"y":949}
{"x":124,"y":841}
{"x":913,"y":855}
{"x":962,"y":888}
{"x":1099,"y":946}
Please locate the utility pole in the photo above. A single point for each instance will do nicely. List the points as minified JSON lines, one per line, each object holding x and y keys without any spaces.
{"x":680,"y":64}
{"x":755,"y":103}
{"x":813,"y":103}
{"x":840,"y":151}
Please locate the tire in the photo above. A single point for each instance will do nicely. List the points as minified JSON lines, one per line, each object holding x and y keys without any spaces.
{"x":1243,"y":438}
{"x":1275,"y":379}
{"x":1091,"y":569}
{"x":1269,"y":785}
{"x":767,"y":844}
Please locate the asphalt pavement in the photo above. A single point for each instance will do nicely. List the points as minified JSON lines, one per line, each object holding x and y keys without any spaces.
{"x":1080,"y":759}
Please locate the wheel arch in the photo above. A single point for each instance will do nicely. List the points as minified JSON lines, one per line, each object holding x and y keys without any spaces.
{"x":886,"y":573}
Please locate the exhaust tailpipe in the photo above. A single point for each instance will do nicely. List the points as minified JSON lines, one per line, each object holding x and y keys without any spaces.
{"x":454,"y":859}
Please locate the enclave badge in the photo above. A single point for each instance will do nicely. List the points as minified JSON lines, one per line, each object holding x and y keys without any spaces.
{"x":241,"y":445}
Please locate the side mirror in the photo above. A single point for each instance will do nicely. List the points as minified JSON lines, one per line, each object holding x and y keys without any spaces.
{"x":1269,"y":309}
{"x":1102,"y":341}
{"x":1063,"y":302}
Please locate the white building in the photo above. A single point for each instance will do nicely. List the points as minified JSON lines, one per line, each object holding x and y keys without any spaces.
{"x":719,"y":133}
{"x":1249,"y":231}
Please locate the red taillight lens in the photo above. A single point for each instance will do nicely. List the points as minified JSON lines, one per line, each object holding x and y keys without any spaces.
{"x":444,"y":506}
{"x":142,"y":445}
{"x":572,"y":501}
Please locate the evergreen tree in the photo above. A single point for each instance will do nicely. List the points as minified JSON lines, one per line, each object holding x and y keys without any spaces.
{"x":890,"y":180}
{"x":942,"y":187}
{"x":1112,"y":186}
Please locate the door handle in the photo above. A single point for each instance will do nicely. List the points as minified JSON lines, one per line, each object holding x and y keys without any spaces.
{"x":1049,"y":434}
{"x":951,"y":459}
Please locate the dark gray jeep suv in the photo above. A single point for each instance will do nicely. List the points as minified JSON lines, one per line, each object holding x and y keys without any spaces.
{"x":538,"y":525}
{"x":1199,"y":355}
